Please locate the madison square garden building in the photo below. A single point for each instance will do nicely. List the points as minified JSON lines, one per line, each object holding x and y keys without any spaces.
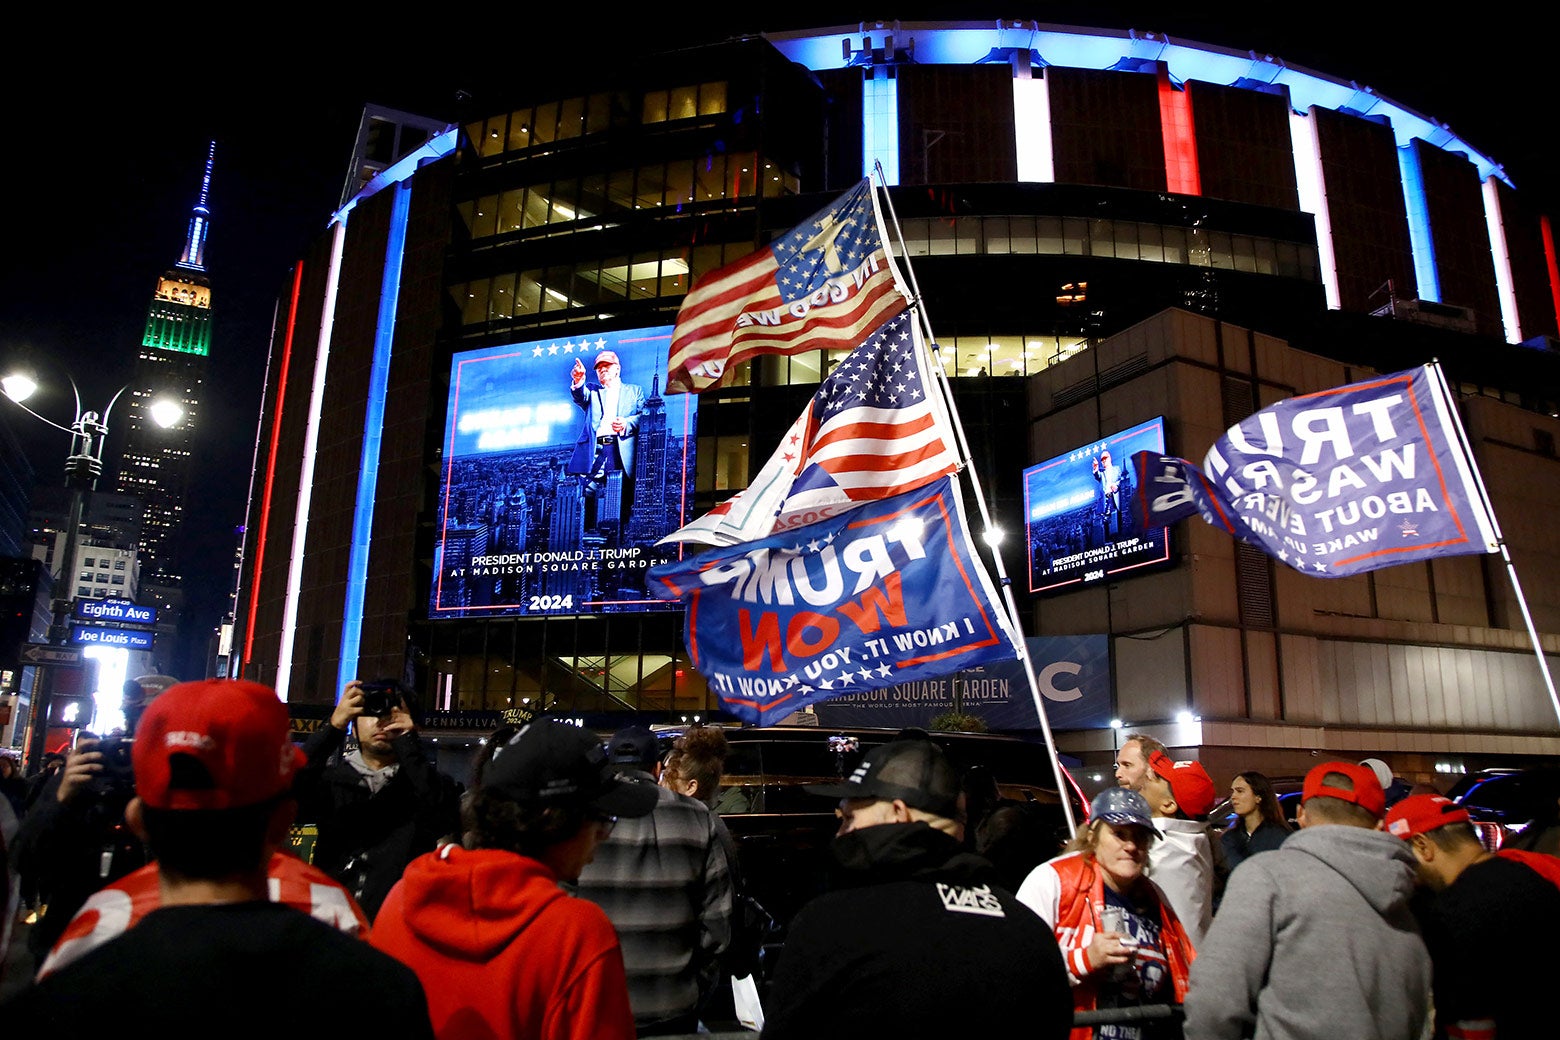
{"x":1121,"y":243}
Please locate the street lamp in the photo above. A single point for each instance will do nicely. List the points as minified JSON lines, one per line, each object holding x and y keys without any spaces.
{"x":88,"y":433}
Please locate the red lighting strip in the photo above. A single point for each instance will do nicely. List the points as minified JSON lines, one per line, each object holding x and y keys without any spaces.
{"x":270,"y":467}
{"x":1549,"y":262}
{"x":1180,"y":135}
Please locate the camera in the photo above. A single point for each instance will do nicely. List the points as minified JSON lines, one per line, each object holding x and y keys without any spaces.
{"x":118,"y":775}
{"x":380,"y":699}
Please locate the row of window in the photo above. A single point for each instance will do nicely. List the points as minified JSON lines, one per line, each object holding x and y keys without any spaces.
{"x":91,"y":561}
{"x":599,"y":196}
{"x":526,"y":128}
{"x":102,"y":578}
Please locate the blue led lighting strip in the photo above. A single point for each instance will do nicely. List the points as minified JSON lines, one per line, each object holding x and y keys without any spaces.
{"x":1420,"y":236}
{"x":373,"y":435}
{"x":880,"y":124}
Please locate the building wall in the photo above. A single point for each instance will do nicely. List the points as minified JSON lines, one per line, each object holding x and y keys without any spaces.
{"x":1243,"y":147}
{"x":1365,"y":202}
{"x":1105,"y":129}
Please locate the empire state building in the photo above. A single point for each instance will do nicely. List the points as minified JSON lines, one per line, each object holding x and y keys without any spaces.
{"x":155,"y":465}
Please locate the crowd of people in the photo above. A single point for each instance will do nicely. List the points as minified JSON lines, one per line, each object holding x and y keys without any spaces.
{"x":581,"y":888}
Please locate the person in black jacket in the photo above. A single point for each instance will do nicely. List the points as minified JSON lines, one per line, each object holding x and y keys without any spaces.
{"x":377,"y":806}
{"x":916,"y":939}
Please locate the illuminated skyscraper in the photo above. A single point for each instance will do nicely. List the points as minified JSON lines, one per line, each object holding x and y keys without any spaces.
{"x":155,"y":464}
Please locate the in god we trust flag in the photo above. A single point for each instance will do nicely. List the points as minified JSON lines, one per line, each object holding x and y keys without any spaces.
{"x":820,"y":286}
{"x":1337,"y":482}
{"x":890,"y":592}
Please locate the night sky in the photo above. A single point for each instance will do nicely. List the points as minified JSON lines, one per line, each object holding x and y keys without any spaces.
{"x":108,"y":133}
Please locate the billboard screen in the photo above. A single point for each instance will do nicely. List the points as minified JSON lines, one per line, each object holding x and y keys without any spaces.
{"x":1078,"y":516}
{"x":563,"y":465}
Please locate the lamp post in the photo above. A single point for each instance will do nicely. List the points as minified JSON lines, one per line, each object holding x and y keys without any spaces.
{"x":83,"y":466}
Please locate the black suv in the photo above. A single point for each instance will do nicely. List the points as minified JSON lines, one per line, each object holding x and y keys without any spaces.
{"x":1503,"y":803}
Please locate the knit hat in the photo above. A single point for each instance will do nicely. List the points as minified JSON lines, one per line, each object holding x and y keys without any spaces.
{"x":1189,"y":783}
{"x":214,"y":744}
{"x":1421,"y":813}
{"x":915,"y":772}
{"x":1367,"y":792}
{"x":552,"y":763}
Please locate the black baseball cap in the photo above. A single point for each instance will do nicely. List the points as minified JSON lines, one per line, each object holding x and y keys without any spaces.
{"x":553,"y":763}
{"x":633,"y":746}
{"x":914,"y":771}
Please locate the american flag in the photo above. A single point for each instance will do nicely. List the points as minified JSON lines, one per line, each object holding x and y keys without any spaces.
{"x":820,"y":287}
{"x":877,"y":427}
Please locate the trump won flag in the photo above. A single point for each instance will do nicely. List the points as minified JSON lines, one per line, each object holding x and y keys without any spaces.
{"x":821,"y":286}
{"x":889,"y":592}
{"x":1337,"y":482}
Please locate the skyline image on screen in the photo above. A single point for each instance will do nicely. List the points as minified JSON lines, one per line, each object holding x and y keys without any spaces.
{"x":563,"y":464}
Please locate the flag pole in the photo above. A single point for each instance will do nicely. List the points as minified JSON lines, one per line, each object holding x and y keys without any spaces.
{"x":1500,"y":539}
{"x":1063,"y":781}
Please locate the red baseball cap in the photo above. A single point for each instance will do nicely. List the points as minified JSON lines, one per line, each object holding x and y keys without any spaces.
{"x":1419,"y":813}
{"x":1189,"y":783}
{"x":1367,"y":792}
{"x":214,"y":744}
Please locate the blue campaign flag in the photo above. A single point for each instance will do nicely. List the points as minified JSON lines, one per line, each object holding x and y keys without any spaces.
{"x":1337,"y":482}
{"x":887,"y":593}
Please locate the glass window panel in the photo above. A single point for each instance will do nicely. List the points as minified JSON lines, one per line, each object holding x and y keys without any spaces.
{"x":467,"y":211}
{"x":655,"y":106}
{"x":519,"y":129}
{"x":644,"y":276}
{"x":501,"y":297}
{"x":1048,"y":236}
{"x":1125,"y":233}
{"x":704,"y":258}
{"x":774,"y":185}
{"x":1308,"y":269}
{"x":1266,"y":255}
{"x":598,"y":113}
{"x":917,"y":234}
{"x":966,"y":233}
{"x":1022,"y":237}
{"x":536,"y":206}
{"x":620,"y":190}
{"x":571,"y":118}
{"x":941,"y":238}
{"x":1175,"y":244}
{"x":709,"y":178}
{"x":613,"y":279}
{"x":1288,"y":258}
{"x":484,"y":221}
{"x":1007,"y":355}
{"x":555,"y":289}
{"x":684,"y":103}
{"x":1150,"y":243}
{"x":1220,"y":252}
{"x":528,"y":293}
{"x":474,"y":133}
{"x":679,"y":182}
{"x":545,"y":129}
{"x":593,"y":195}
{"x":996,"y":232}
{"x":511,"y":210}
{"x":676,"y":278}
{"x":493,"y":136}
{"x":565,"y":201}
{"x":1100,"y":240}
{"x":474,"y":312}
{"x":1245,"y":253}
{"x":712,"y":99}
{"x":1075,"y":233}
{"x":1199,"y":249}
{"x":651,"y":186}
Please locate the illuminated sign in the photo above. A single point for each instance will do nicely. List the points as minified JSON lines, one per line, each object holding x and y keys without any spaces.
{"x":127,"y":638}
{"x":118,"y":610}
{"x":560,"y":476}
{"x":1078,"y":517}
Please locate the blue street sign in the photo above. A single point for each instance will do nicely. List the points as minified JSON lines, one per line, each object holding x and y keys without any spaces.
{"x":121,"y":610}
{"x":127,"y":638}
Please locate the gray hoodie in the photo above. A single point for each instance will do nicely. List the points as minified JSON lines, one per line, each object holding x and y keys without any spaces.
{"x":1315,"y":940}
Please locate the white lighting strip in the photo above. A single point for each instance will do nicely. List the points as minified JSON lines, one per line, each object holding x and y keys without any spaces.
{"x":311,"y":439}
{"x":1032,"y":128}
{"x":1306,"y":152}
{"x":1509,"y":318}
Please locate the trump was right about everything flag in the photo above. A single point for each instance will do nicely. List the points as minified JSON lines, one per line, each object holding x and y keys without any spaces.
{"x":876,"y":427}
{"x":821,"y":286}
{"x":1337,"y":482}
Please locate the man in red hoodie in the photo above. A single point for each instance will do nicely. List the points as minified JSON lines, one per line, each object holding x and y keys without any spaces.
{"x":1484,"y":901}
{"x":500,"y":947}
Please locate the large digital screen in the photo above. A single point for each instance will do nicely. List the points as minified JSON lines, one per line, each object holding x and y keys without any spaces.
{"x":563,"y":465}
{"x":1079,"y":520}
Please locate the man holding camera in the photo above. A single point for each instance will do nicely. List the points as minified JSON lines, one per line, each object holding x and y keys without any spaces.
{"x":380,"y":805}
